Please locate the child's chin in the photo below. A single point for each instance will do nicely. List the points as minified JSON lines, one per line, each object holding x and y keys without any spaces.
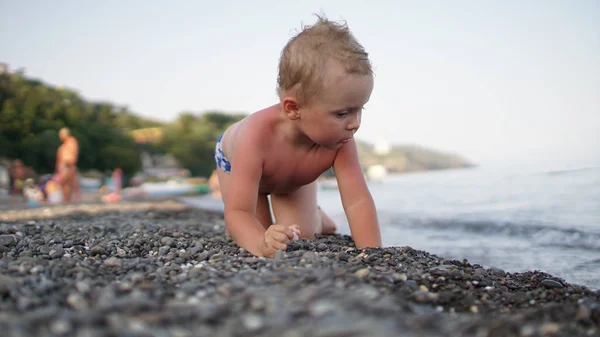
{"x":336,"y":146}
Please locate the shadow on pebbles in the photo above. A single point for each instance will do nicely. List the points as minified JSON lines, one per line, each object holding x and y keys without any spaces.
{"x":158,"y":272}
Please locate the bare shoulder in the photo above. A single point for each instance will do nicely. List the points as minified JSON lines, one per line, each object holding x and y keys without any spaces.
{"x":347,"y":156}
{"x":346,"y":164}
{"x":254,"y":133}
{"x":350,"y":177}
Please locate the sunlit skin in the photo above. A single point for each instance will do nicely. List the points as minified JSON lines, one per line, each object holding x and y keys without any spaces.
{"x":66,"y":162}
{"x":281,"y":151}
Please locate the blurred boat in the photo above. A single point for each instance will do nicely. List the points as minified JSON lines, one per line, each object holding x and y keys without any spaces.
{"x":90,"y":183}
{"x":169,"y":188}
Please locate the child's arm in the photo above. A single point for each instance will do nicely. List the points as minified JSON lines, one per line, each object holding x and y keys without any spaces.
{"x":240,"y":205}
{"x":356,"y":198}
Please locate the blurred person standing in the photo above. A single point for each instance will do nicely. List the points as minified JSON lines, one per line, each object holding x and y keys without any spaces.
{"x":66,"y":165}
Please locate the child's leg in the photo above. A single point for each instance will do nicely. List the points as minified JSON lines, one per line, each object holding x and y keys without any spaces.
{"x":263,"y":213}
{"x":300,"y":207}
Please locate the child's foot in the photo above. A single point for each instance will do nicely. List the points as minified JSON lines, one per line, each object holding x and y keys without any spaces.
{"x":327,"y":224}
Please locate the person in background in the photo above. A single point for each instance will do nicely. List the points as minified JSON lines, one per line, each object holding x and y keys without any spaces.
{"x":213,"y":185}
{"x":32,"y":193}
{"x":66,"y":165}
{"x":18,"y":174}
{"x":51,"y":186}
{"x":117,"y":180}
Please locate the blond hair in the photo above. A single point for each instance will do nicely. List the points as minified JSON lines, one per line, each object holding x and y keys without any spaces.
{"x":304,"y":58}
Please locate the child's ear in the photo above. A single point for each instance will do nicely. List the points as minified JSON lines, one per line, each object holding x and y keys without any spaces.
{"x":291,"y":108}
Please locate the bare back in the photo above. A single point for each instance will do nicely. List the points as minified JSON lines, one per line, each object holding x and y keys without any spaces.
{"x":285,"y":167}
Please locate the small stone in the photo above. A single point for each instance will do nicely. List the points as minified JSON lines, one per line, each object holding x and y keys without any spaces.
{"x":498,"y":272}
{"x":216,"y":258}
{"x":76,"y":302}
{"x":527,"y":330}
{"x":202,"y":256}
{"x":548,"y":283}
{"x":400,"y":277}
{"x":121,"y":253}
{"x":583,"y":313}
{"x":279,"y":255}
{"x":425,"y":297}
{"x":112,"y":262}
{"x":83,"y":286}
{"x":56,"y":253}
{"x":60,"y":327}
{"x":252,"y":322}
{"x":6,"y":284}
{"x":445,"y":269}
{"x":550,"y":328}
{"x":411,"y":285}
{"x":8,"y":240}
{"x":167,"y":241}
{"x":163,"y":250}
{"x":310,"y":256}
{"x":320,"y":308}
{"x":97,"y":250}
{"x":474,"y":309}
{"x":362,"y":273}
{"x":480,"y":272}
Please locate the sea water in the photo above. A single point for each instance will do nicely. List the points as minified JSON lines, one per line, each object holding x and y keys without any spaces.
{"x":540,"y":220}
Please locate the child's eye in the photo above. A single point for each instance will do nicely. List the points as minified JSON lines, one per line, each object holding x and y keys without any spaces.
{"x":341,"y":113}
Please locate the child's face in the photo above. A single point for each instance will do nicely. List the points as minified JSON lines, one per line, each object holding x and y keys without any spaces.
{"x":332,"y":117}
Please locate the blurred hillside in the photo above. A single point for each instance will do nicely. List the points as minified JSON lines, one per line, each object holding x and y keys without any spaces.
{"x":409,"y":158}
{"x":112,"y":136}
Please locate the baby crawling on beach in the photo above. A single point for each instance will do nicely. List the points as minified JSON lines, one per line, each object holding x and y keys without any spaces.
{"x":325,"y":79}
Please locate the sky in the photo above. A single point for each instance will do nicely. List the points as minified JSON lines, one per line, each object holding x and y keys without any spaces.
{"x":502,"y":83}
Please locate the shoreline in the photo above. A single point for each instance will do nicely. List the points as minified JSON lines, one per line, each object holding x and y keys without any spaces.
{"x":165,"y":268}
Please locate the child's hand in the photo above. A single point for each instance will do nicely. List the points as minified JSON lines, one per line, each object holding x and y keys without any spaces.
{"x":277,"y":237}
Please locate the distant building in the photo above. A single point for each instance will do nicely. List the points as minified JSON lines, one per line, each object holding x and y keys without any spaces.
{"x":382,"y":147}
{"x":3,"y":68}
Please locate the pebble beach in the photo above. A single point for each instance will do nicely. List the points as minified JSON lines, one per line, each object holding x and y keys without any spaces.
{"x":162,"y":268}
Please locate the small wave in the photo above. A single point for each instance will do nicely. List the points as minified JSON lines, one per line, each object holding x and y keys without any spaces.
{"x":587,"y":265}
{"x":563,"y":172}
{"x":538,"y":234}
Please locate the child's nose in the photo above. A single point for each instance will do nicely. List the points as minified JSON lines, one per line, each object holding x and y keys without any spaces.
{"x":354,"y":123}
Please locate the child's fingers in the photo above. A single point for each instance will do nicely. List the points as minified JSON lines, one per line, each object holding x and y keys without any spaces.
{"x":285,"y":230}
{"x":276,"y":245}
{"x":295,"y":232}
{"x":280,"y":246}
{"x":281,"y":237}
